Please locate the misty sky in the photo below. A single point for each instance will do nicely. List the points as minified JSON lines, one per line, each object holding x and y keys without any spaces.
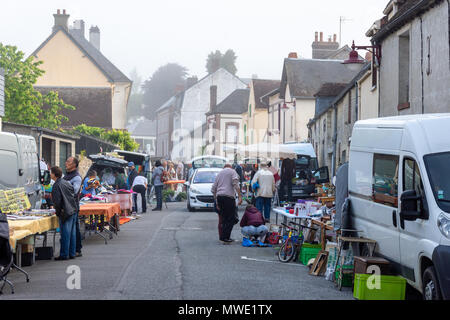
{"x":148,"y":34}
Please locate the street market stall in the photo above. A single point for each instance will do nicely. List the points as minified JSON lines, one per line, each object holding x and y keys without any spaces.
{"x":101,"y":217}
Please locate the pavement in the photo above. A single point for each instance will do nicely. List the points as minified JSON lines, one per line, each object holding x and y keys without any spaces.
{"x":172,"y":255}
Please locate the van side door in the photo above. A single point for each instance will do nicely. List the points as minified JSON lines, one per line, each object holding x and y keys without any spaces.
{"x":412,"y":232}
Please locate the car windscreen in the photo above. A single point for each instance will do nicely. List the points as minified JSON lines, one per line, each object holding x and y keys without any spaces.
{"x":205,"y":177}
{"x":438,"y":168}
{"x":209,"y":163}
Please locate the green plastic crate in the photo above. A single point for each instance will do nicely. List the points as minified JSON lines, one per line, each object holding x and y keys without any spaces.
{"x":308,"y":252}
{"x":347,"y":279}
{"x":391,"y":288}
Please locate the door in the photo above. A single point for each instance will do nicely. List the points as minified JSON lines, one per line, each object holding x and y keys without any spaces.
{"x":411,"y":232}
{"x":383,"y":214}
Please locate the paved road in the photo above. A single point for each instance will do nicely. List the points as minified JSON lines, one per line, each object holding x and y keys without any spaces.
{"x":173,"y":255}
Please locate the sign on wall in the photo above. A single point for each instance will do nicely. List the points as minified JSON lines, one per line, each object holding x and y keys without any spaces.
{"x":2,"y":93}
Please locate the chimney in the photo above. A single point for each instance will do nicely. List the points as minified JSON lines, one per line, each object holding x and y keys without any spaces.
{"x":334,"y":37}
{"x":324,"y":49}
{"x":61,"y":20}
{"x":79,"y":27}
{"x":213,"y":98}
{"x":179,"y":88}
{"x":316,"y":36}
{"x":191,"y":81}
{"x":293,"y":55}
{"x":94,"y":37}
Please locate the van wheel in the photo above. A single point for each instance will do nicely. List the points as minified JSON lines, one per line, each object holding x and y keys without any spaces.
{"x":430,"y":285}
{"x":364,"y":250}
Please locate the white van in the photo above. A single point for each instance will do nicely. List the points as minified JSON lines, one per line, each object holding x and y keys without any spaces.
{"x":19,"y":166}
{"x":399,"y":186}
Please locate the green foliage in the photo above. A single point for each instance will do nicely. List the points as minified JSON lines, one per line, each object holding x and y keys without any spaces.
{"x":167,"y":194}
{"x":24,"y":104}
{"x":218,"y":60}
{"x":181,"y":196}
{"x":118,"y":137}
{"x":121,"y":138}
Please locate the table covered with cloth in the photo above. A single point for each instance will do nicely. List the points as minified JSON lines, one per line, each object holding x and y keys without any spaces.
{"x":124,"y":199}
{"x":25,"y":228}
{"x":108,"y":210}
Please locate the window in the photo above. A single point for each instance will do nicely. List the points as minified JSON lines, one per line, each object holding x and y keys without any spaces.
{"x":403,"y":67}
{"x":245,"y":134}
{"x":232,"y":133}
{"x":374,"y":75}
{"x":250,"y":111}
{"x":385,"y":179}
{"x":413,"y":181}
{"x":292,"y":126}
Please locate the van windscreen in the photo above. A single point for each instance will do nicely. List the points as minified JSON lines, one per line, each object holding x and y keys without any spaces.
{"x":438,"y":168}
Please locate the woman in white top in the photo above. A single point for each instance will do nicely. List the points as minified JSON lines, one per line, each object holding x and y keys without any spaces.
{"x":140,"y":186}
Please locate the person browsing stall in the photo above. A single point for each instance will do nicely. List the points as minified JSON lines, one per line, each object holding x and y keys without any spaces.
{"x":73,"y":176}
{"x":90,"y":184}
{"x":63,"y":197}
{"x":264,"y":194}
{"x":140,"y":186}
{"x":224,"y":189}
{"x":253,"y":224}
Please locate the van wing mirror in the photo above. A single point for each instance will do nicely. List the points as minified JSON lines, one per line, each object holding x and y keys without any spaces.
{"x":409,"y":210}
{"x":45,"y":178}
{"x":321,"y":175}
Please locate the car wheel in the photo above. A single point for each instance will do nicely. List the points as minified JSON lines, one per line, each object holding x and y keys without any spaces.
{"x":430,"y":285}
{"x":190,"y":209}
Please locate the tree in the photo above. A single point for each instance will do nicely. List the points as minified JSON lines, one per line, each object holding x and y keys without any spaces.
{"x":161,"y":86}
{"x":134,"y":108}
{"x":118,"y":137}
{"x":218,"y":60}
{"x":24,"y":104}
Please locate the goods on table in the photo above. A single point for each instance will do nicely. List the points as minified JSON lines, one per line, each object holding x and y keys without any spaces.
{"x":390,"y":287}
{"x":14,"y":200}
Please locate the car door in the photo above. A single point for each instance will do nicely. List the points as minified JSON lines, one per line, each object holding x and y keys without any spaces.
{"x":412,"y":231}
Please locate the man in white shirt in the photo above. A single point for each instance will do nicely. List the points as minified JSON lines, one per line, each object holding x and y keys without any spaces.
{"x":140,"y":186}
{"x":265,"y":191}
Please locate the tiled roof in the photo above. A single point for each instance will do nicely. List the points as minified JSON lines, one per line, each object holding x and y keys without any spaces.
{"x":406,"y":12}
{"x":108,"y":69}
{"x":235,"y":103}
{"x":306,"y":76}
{"x":262,"y":87}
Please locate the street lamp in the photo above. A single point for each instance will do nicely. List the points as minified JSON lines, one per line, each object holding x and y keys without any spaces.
{"x":354,"y":60}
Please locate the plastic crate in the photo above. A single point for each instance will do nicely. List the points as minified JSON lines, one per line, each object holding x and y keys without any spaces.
{"x":391,"y":288}
{"x":347,"y":279}
{"x":308,"y":252}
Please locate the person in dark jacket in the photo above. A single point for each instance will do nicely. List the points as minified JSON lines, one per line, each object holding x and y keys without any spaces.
{"x":287,"y":174}
{"x":63,"y":198}
{"x":253,"y":224}
{"x":75,"y":180}
{"x":158,"y":184}
{"x":132,"y":174}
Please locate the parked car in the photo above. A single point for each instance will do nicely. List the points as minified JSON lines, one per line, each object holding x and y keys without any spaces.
{"x":102,"y":164}
{"x":208,"y":162}
{"x":19,"y":163}
{"x":399,"y":186}
{"x":199,"y":193}
{"x":307,"y":173}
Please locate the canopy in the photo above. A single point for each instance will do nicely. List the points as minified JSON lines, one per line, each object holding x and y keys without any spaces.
{"x":306,"y":149}
{"x":267,"y":150}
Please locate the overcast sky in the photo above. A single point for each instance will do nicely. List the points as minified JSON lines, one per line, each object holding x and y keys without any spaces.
{"x":148,"y":34}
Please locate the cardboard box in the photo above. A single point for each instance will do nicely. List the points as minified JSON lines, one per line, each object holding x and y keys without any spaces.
{"x":27,"y":248}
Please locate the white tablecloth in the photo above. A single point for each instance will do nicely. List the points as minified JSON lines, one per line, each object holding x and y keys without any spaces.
{"x":283,"y":212}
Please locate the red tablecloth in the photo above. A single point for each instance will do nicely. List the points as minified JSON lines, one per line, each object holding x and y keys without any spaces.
{"x":106,"y":209}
